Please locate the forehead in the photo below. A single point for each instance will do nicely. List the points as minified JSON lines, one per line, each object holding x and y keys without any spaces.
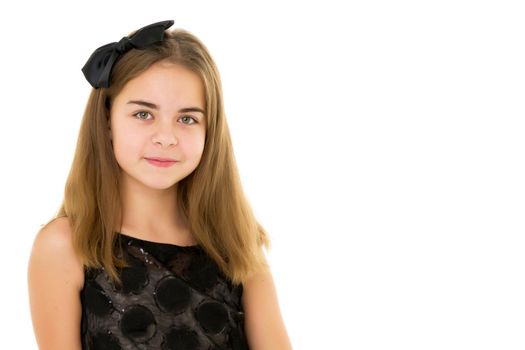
{"x":167,"y":85}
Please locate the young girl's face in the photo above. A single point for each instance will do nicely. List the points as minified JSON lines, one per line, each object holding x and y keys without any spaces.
{"x":159,"y":114}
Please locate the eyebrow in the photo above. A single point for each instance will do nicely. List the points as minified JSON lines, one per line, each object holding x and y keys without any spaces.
{"x":154,"y":106}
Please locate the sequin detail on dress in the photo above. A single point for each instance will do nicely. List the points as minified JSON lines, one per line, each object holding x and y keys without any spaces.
{"x":171,"y":297}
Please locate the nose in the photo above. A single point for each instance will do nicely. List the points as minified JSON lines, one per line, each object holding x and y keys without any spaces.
{"x":164,"y":135}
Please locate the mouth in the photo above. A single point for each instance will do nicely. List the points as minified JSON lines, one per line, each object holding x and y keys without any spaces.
{"x":158,"y":159}
{"x":161,"y":163}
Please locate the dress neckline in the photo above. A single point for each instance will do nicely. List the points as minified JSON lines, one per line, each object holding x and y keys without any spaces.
{"x":195,"y":246}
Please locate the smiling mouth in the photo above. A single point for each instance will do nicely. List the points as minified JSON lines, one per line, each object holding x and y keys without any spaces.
{"x":160,"y":163}
{"x":159,"y":159}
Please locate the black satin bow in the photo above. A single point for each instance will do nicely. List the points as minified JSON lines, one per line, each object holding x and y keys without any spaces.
{"x":97,"y":69}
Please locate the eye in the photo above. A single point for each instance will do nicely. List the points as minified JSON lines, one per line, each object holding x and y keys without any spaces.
{"x":187,"y":116}
{"x":140,"y":114}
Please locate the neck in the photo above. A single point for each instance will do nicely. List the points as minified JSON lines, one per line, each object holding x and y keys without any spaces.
{"x":150,"y":212}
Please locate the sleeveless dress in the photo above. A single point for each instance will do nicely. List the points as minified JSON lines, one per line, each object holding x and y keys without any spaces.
{"x":171,"y":297}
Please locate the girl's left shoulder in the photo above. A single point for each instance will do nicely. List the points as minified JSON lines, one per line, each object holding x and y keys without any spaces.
{"x":264,"y":325}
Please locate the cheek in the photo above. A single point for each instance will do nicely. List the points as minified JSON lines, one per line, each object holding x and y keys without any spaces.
{"x":194,"y":145}
{"x":126,"y":144}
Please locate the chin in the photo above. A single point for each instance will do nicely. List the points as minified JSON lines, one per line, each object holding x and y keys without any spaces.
{"x":161,"y":185}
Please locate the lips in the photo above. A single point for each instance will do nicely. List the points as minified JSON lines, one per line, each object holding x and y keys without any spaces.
{"x":163,"y":163}
{"x":159,"y":159}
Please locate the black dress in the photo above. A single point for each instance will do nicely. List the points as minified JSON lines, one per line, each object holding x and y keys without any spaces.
{"x":172,"y":297}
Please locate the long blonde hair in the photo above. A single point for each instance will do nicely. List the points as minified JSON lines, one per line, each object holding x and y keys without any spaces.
{"x":210,"y":199}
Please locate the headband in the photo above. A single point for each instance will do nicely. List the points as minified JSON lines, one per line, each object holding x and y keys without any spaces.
{"x":97,"y":69}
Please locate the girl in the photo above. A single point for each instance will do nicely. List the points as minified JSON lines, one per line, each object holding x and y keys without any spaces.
{"x":155,"y":245}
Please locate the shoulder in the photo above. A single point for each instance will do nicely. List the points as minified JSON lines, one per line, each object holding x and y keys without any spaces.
{"x":55,"y":277}
{"x":53,"y":249}
{"x":264,"y":325}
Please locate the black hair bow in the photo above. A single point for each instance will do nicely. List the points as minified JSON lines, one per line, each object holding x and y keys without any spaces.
{"x":97,"y":69}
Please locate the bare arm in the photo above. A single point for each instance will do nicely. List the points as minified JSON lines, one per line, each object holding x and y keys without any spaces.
{"x":55,"y":278}
{"x":264,"y":326}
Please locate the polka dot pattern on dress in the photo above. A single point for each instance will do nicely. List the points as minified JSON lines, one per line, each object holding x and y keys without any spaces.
{"x":171,"y":297}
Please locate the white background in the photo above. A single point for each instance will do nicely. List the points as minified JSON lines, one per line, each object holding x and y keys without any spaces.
{"x":381,"y":144}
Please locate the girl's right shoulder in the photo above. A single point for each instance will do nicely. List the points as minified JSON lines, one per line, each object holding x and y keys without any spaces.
{"x":53,"y":243}
{"x":55,"y":278}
